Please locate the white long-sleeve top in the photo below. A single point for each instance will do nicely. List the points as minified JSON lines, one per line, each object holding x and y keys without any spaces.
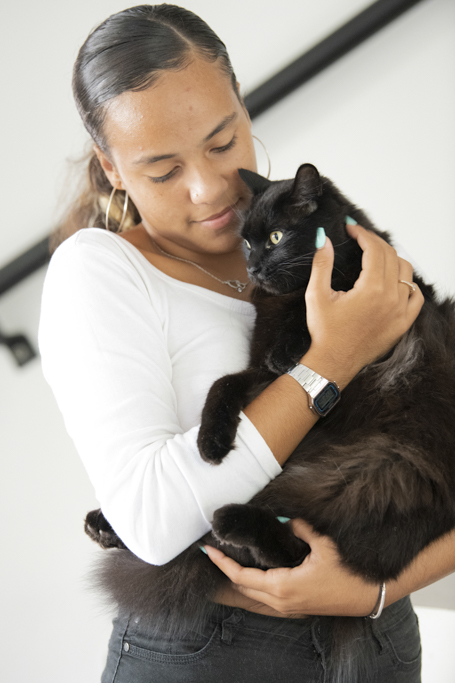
{"x":130,"y":354}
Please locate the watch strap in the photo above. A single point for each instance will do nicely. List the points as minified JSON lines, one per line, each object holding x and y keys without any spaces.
{"x":308,"y":379}
{"x":323,"y":394}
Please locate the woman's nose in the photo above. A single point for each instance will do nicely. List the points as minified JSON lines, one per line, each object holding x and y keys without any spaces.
{"x":206,"y":185}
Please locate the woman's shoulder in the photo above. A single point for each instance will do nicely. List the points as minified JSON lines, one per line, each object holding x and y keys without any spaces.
{"x":94,"y":250}
{"x":91,"y":239}
{"x":95,"y":282}
{"x":93,"y":260}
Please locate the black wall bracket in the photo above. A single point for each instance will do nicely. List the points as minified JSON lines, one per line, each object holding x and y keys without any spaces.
{"x":20,"y":347}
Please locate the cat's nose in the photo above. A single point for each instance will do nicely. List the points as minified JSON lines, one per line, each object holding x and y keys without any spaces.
{"x":252,"y":271}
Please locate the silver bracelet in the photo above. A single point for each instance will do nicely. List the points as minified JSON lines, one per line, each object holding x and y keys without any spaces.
{"x":376,"y":613}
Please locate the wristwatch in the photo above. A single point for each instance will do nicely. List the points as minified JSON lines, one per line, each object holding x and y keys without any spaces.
{"x":323,"y":394}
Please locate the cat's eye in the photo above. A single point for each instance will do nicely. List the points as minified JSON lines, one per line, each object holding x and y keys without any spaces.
{"x":247,"y":244}
{"x":275,"y":236}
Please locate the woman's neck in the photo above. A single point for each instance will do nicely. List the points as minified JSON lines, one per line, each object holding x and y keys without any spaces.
{"x":229,"y":266}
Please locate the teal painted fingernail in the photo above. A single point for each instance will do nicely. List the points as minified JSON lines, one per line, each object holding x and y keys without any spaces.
{"x":350,"y":221}
{"x":201,"y":547}
{"x":320,"y":238}
{"x":283,"y":520}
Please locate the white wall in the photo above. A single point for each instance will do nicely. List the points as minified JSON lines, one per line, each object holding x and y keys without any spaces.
{"x":379,"y":122}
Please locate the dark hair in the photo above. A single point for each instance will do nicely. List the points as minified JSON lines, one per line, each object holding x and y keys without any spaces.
{"x":127,"y":52}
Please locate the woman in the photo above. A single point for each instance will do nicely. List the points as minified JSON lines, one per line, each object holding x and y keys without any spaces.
{"x":137,"y":325}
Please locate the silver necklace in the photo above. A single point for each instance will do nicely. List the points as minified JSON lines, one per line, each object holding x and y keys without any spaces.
{"x":235,"y":284}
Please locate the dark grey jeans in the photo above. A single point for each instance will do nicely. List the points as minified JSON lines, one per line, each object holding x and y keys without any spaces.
{"x":236,"y":646}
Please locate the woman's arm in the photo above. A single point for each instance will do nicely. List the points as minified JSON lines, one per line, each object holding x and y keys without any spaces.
{"x":108,"y":351}
{"x":322,"y":585}
{"x":348,"y":331}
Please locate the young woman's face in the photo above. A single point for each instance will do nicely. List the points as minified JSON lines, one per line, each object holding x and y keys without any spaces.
{"x":175,"y":148}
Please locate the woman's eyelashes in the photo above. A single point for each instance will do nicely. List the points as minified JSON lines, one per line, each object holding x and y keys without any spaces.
{"x":225,"y":148}
{"x":217,"y":150}
{"x":163,"y":178}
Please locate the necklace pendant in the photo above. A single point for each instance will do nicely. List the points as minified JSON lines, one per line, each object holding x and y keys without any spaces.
{"x":236,"y":284}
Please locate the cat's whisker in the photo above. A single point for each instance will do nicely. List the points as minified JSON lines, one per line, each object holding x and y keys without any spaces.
{"x":289,"y":277}
{"x":284,"y":268}
{"x":300,"y":258}
{"x":350,"y":239}
{"x":309,"y":253}
{"x":290,"y":263}
{"x":340,"y":271}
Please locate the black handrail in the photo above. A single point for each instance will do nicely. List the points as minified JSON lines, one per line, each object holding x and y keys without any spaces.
{"x":325,"y":53}
{"x":312,"y":62}
{"x":24,"y":265}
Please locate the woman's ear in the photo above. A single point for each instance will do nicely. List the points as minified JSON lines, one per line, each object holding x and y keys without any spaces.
{"x":109,"y":168}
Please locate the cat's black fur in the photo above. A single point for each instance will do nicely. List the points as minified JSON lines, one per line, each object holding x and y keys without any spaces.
{"x":377,"y":474}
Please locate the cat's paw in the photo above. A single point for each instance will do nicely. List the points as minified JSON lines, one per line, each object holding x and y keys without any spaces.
{"x":233,"y":524}
{"x":216,"y":435}
{"x":98,"y":528}
{"x":279,"y":361}
{"x":269,"y":542}
{"x":286,"y":354}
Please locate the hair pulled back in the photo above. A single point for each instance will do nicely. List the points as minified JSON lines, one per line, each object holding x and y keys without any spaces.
{"x":128,"y":51}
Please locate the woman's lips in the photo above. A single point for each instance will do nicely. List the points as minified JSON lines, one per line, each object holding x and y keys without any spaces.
{"x":218,"y":220}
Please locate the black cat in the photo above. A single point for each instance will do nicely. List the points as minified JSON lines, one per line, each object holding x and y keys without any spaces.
{"x":377,"y":474}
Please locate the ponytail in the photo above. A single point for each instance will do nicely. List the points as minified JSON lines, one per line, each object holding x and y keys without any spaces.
{"x":89,"y":209}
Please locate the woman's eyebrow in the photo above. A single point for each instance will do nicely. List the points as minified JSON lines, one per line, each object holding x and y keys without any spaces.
{"x":224,"y":123}
{"x":147,"y":160}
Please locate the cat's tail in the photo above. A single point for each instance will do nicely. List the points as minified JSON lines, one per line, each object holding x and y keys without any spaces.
{"x":170,"y":599}
{"x":348,"y":648}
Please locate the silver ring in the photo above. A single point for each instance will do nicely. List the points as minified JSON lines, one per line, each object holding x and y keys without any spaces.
{"x":411,"y":285}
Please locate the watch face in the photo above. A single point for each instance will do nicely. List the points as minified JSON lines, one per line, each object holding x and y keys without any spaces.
{"x":326,"y":399}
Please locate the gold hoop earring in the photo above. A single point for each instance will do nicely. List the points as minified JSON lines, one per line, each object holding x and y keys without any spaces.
{"x":125,"y":207}
{"x":266,"y":154}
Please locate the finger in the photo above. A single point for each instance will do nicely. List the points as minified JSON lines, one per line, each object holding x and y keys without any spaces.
{"x":405,"y":275}
{"x":272,"y":601}
{"x":405,"y":270}
{"x":415,"y":303}
{"x":244,"y":576}
{"x":263,"y":586}
{"x":391,"y":268}
{"x":321,"y":270}
{"x":303,"y":529}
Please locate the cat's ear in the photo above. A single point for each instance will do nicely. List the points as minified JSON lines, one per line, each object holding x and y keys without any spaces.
{"x":257,"y":183}
{"x":307,"y":185}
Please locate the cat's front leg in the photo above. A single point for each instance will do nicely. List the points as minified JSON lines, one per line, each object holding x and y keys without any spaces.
{"x":220,"y":416}
{"x":287,"y":352}
{"x":271,"y":543}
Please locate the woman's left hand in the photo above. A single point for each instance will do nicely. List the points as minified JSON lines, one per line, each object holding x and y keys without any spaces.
{"x":321,"y":585}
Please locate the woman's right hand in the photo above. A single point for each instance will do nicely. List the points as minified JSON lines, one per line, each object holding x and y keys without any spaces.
{"x":351,"y":329}
{"x":321,"y":585}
